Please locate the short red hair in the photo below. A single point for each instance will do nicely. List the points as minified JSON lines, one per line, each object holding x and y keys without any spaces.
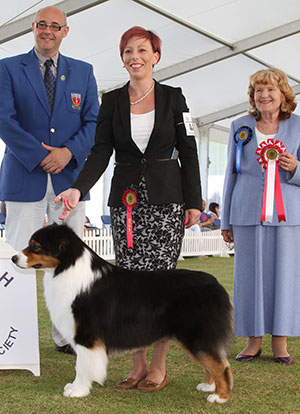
{"x":142,"y":33}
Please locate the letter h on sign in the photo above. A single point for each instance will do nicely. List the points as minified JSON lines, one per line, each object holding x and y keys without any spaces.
{"x":8,"y":281}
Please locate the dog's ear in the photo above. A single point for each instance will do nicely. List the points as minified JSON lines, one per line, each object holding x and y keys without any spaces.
{"x":63,"y":244}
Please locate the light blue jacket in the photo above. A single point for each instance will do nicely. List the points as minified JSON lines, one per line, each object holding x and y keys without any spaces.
{"x":243,"y":193}
{"x":26,"y":121}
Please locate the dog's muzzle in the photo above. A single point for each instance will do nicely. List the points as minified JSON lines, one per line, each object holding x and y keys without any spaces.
{"x":20,"y":260}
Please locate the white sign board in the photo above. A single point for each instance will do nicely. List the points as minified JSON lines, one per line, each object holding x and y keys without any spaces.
{"x":19,"y":346}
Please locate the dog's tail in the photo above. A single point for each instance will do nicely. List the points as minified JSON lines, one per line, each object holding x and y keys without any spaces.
{"x":209,"y":326}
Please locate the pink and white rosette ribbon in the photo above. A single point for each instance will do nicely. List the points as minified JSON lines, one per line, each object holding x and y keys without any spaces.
{"x":269,"y":152}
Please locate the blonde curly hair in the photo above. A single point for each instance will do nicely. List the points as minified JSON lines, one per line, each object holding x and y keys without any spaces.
{"x":278,"y":78}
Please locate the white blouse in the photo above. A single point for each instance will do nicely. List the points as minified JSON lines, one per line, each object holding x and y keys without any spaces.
{"x":262,"y":137}
{"x":141,"y":128}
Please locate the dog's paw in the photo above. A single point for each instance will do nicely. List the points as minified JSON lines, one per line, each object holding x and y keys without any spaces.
{"x":214,"y":398}
{"x":205,"y":387}
{"x":74,"y":390}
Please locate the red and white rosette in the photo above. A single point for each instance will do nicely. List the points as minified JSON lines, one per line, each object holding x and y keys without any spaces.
{"x":129,"y":199}
{"x":269,"y":152}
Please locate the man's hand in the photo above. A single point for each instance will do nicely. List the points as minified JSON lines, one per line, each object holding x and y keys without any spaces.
{"x":56,"y":160}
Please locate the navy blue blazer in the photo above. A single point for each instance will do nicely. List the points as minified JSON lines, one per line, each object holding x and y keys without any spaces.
{"x":169,"y":179}
{"x":26,"y":121}
{"x":243,"y":193}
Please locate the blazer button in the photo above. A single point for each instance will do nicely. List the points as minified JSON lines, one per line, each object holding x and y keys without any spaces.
{"x":52,"y":130}
{"x":143,"y":161}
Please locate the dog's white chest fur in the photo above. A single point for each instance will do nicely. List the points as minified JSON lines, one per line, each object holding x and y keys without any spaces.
{"x":61,"y":290}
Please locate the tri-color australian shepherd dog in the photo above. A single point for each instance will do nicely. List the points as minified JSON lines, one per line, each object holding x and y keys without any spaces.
{"x":101,"y":309}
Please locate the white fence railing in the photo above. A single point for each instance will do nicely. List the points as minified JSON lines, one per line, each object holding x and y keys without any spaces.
{"x":101,"y":242}
{"x":206,"y":243}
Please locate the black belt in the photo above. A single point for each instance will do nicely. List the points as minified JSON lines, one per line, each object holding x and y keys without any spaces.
{"x":144,"y":161}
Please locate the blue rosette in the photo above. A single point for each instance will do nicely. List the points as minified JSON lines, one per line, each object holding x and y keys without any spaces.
{"x":241,"y":136}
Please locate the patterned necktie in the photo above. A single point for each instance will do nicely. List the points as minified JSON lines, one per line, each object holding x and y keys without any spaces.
{"x":50,"y":81}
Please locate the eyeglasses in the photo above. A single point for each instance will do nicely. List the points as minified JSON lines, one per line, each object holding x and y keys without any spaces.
{"x":53,"y":27}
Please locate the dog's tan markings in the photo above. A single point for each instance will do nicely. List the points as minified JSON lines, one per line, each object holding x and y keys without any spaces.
{"x":208,"y":378}
{"x":36,"y":256}
{"x":219,"y":372}
{"x":44,"y":261}
{"x":35,"y":243}
{"x":98,"y":344}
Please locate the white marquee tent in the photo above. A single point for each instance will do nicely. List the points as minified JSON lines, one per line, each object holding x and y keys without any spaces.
{"x":209,"y":47}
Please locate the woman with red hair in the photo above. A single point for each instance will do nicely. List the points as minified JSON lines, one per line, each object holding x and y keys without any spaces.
{"x":152,"y":196}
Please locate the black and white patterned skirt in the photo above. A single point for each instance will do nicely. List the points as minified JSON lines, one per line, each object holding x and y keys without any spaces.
{"x":158,"y":231}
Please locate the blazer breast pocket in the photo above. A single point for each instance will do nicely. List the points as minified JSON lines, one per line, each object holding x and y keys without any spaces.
{"x":74,"y":100}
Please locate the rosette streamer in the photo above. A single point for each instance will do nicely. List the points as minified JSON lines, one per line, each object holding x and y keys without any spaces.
{"x":268,"y":152}
{"x":129,"y":200}
{"x":241,"y":136}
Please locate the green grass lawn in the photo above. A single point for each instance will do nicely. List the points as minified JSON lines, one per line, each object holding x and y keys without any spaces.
{"x":260,"y":387}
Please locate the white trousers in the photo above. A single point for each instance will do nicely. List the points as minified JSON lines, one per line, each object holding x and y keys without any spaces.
{"x":24,"y":218}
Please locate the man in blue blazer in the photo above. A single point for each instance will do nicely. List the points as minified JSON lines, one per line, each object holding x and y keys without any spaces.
{"x":45,"y":148}
{"x":47,"y":140}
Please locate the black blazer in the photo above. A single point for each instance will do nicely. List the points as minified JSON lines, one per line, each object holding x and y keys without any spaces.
{"x":167,"y":181}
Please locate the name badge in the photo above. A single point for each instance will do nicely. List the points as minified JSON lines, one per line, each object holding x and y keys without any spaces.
{"x":188,"y":123}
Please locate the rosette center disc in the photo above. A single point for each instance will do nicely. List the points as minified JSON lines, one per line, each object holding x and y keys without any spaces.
{"x":243,"y":135}
{"x":130,"y":199}
{"x":271,"y":154}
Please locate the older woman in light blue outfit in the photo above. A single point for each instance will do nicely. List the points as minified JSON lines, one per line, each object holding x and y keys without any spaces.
{"x":267,"y":260}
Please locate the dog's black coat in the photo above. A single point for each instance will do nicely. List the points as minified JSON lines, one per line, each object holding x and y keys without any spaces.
{"x":132,"y":309}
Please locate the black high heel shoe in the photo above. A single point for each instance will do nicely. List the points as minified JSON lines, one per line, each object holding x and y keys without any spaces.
{"x":248,"y":358}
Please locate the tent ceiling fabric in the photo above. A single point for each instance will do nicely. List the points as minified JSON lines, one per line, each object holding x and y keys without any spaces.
{"x":209,"y":48}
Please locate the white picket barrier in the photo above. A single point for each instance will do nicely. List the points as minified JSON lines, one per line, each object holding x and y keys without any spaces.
{"x":101,"y":242}
{"x":205,"y":243}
